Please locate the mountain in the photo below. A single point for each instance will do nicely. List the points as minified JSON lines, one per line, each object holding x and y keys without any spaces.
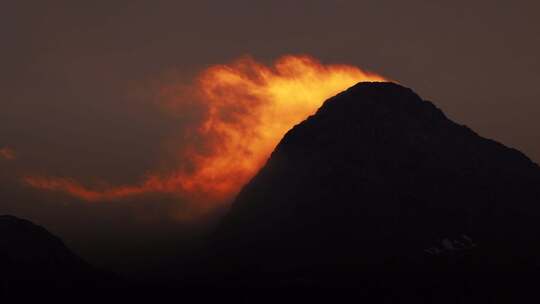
{"x":377,"y":187}
{"x":33,"y":261}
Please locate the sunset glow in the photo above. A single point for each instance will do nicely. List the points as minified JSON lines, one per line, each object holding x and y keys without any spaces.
{"x":248,"y":107}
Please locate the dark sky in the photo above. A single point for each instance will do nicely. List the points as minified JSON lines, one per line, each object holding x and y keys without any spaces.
{"x":77,"y":80}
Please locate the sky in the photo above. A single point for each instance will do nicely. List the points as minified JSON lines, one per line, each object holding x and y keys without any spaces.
{"x":80,"y":83}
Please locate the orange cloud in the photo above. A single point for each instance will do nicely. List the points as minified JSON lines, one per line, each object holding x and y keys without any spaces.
{"x":246,"y":108}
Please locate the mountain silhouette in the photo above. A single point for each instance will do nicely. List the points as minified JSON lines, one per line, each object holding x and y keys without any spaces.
{"x":34,"y":262}
{"x":379,"y":184}
{"x":378,"y":193}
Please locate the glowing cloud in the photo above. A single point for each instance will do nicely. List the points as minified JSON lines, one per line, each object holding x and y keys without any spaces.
{"x":247,"y":108}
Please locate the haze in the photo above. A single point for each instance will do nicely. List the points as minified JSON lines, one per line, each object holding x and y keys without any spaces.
{"x":79,"y":83}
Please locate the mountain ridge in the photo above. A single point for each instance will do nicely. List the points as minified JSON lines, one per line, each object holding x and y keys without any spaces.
{"x":378,"y":164}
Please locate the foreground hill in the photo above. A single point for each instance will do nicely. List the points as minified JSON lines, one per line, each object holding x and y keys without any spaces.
{"x":33,"y":262}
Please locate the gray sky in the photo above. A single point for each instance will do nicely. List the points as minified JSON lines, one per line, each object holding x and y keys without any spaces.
{"x":77,"y":80}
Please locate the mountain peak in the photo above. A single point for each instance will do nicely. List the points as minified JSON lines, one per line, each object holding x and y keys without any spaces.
{"x":380,"y":98}
{"x":378,"y":103}
{"x":376,"y":175}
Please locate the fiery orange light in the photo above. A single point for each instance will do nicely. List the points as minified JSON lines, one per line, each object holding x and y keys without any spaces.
{"x":248,"y":107}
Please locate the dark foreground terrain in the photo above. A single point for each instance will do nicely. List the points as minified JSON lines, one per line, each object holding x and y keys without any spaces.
{"x":378,"y":196}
